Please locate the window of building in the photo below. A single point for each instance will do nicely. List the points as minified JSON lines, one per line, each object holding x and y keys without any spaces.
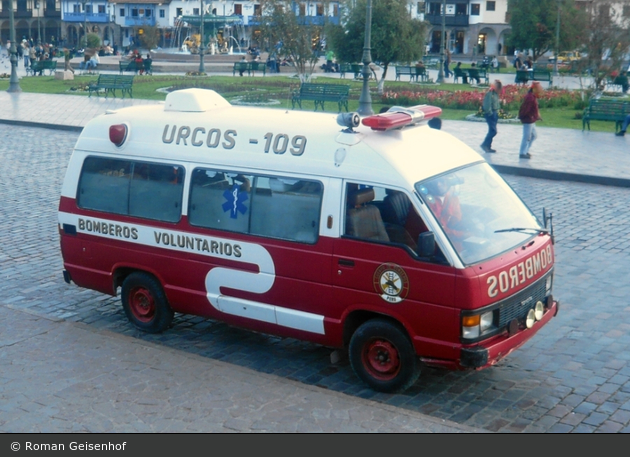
{"x":76,"y":8}
{"x":121,"y":12}
{"x":435,"y":9}
{"x":148,"y":13}
{"x":461,"y":9}
{"x":88,"y":9}
{"x":270,"y":206}
{"x":195,"y":11}
{"x":302,"y":11}
{"x":134,"y":12}
{"x":132,"y":188}
{"x":257,"y":10}
{"x":475,"y":9}
{"x":162,"y":13}
{"x":319,"y":10}
{"x":101,"y":9}
{"x":420,"y":7}
{"x":179,"y":12}
{"x":238,"y":9}
{"x":490,"y":6}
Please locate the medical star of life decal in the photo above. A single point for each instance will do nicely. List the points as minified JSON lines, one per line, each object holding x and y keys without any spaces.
{"x":391,"y":283}
{"x":235,"y":201}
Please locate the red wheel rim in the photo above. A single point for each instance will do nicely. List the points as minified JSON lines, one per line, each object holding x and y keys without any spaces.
{"x":380,"y":359}
{"x":142,"y":304}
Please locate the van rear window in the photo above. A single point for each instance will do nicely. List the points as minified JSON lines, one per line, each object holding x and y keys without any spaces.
{"x":132,"y":188}
{"x":274,"y":207}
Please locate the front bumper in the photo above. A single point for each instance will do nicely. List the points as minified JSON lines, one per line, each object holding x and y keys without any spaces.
{"x":489,"y":352}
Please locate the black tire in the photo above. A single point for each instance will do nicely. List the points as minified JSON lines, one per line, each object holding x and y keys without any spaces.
{"x":383,"y":357}
{"x":145,"y":303}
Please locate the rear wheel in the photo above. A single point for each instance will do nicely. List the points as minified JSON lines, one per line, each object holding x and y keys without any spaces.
{"x":145,"y":303}
{"x":382,"y":356}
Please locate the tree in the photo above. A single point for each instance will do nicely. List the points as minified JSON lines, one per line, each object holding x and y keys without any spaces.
{"x":395,"y":36}
{"x":296,"y":37}
{"x":534,"y":25}
{"x":149,"y":37}
{"x":93,"y":41}
{"x":606,"y":42}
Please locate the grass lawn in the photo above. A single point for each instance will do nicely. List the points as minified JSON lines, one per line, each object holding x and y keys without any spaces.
{"x":279,"y":88}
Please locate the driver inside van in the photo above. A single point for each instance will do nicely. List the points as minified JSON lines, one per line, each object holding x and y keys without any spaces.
{"x":444,"y":204}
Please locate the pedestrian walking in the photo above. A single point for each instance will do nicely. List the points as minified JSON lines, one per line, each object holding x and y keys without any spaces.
{"x":447,"y":62}
{"x":529,"y":114}
{"x":66,"y":60}
{"x":25,"y":53}
{"x":624,"y":127}
{"x":490,"y":109}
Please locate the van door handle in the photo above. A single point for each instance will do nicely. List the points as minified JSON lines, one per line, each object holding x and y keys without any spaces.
{"x":346,"y":262}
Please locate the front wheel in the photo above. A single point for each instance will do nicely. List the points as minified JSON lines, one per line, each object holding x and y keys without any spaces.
{"x":382,"y":356}
{"x":145,"y":303}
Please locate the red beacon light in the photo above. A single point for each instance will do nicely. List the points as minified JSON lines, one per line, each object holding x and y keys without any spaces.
{"x":118,"y":134}
{"x":398,"y":117}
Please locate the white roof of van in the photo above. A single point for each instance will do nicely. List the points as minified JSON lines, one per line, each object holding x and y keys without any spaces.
{"x":241,"y":135}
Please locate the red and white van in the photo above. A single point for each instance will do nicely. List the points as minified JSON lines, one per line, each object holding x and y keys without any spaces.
{"x":390,"y":238}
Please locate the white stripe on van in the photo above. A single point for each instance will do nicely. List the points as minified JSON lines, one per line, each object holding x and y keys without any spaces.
{"x":217,"y":277}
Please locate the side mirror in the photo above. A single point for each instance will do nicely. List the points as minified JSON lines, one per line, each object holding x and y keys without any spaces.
{"x":426,"y":244}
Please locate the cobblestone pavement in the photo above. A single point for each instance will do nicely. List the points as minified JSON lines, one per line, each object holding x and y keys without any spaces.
{"x":572,"y":377}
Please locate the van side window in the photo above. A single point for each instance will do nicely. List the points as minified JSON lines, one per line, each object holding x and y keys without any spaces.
{"x":131,"y":188}
{"x":288,"y":209}
{"x":275,"y":207}
{"x":220,"y":200}
{"x":385,"y":215}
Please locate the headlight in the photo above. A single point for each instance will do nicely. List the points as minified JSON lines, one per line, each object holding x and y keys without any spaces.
{"x":539,"y":310}
{"x":548,"y":284}
{"x":477,"y":325}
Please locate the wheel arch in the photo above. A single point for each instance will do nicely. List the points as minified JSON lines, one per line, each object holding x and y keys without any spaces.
{"x":358,"y":317}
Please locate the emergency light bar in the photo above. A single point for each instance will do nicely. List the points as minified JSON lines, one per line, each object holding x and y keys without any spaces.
{"x":397,"y":117}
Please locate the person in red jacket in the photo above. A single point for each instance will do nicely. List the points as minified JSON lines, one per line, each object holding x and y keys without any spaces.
{"x":528,"y":114}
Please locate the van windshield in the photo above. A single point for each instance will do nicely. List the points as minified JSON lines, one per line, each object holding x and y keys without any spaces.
{"x":479,"y":212}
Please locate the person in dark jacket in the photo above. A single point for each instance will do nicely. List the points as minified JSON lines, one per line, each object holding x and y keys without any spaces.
{"x":529,"y":114}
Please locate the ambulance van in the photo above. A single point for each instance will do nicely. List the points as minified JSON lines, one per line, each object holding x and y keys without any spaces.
{"x":376,"y":235}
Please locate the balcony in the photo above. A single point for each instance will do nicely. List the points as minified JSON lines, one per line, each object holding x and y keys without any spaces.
{"x":49,"y":12}
{"x":451,"y":21}
{"x":89,"y":17}
{"x":302,"y":20}
{"x":139,"y":21}
{"x":17,"y":14}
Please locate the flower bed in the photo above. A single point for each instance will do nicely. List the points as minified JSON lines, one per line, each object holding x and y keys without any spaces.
{"x":511,"y":98}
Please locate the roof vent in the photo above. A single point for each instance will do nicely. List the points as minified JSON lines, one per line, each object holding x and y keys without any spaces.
{"x":194,"y":101}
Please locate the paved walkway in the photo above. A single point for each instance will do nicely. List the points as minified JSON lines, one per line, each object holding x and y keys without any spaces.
{"x":59,"y":376}
{"x":565,"y":154}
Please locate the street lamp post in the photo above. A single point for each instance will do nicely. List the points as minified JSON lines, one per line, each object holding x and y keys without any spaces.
{"x":84,"y":2}
{"x":365,"y":101}
{"x":202,"y":68}
{"x":440,"y":76}
{"x":14,"y":82}
{"x":555,"y":61}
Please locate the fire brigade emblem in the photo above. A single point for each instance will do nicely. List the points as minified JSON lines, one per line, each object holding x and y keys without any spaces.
{"x":391,"y":283}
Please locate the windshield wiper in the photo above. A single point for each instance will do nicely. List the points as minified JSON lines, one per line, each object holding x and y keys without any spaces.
{"x":524,"y":229}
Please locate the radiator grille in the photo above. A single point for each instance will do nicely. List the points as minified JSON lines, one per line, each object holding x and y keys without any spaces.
{"x":517,"y":306}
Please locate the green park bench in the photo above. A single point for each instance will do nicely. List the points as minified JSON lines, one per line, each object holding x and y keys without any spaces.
{"x":129,"y":65}
{"x":605,"y":109}
{"x":542,"y":75}
{"x":108,"y":84}
{"x":38,"y":66}
{"x":321,"y":93}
